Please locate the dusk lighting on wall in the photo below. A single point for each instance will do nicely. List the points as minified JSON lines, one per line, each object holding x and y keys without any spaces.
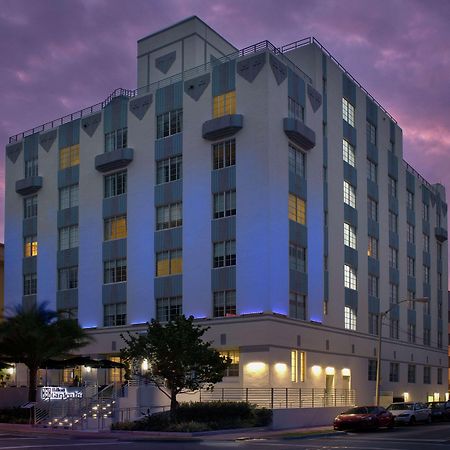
{"x":329,"y":371}
{"x":281,"y":368}
{"x":256,"y":367}
{"x":316,"y":370}
{"x":346,"y":372}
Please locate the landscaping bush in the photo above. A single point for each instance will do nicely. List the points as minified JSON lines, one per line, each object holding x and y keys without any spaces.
{"x":14,"y":415}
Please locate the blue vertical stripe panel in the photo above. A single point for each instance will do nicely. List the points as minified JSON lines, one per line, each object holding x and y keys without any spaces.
{"x":168,"y":239}
{"x":371,"y":111}
{"x":411,"y":316}
{"x":296,"y":87}
{"x":351,"y":298}
{"x":115,"y":114}
{"x":392,"y":165}
{"x":223,"y":278}
{"x":223,"y":180}
{"x":168,"y":193}
{"x":223,"y":229}
{"x":114,"y":293}
{"x":394,"y":275}
{"x":69,"y":134}
{"x":224,"y":78}
{"x":169,"y":98}
{"x":410,"y":182}
{"x":298,"y":282}
{"x":374,"y":304}
{"x":348,"y":89}
{"x":171,"y":286}
{"x":169,"y":146}
{"x":392,"y":131}
{"x":30,"y":147}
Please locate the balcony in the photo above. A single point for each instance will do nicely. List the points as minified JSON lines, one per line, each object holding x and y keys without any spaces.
{"x":222,"y":127}
{"x":441,"y":234}
{"x":116,"y":159}
{"x":28,"y":185}
{"x":299,"y":133}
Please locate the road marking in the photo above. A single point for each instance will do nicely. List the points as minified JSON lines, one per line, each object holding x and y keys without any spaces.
{"x":84,"y":444}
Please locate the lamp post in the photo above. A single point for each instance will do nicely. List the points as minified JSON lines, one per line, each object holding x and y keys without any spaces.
{"x":381,"y":316}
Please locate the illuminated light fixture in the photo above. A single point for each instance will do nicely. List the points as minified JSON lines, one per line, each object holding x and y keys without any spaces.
{"x":346,"y":372}
{"x":10,"y":371}
{"x":88,"y":369}
{"x":447,"y":396}
{"x":436,"y":396}
{"x":256,"y":367}
{"x":316,"y":370}
{"x":280,"y":368}
{"x":144,"y":365}
{"x":329,"y":371}
{"x":406,"y":396}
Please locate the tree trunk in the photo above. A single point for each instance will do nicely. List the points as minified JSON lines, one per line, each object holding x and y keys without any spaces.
{"x":173,"y":404}
{"x":32,"y":384}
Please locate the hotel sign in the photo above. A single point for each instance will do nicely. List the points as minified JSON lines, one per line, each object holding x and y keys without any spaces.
{"x":60,"y":393}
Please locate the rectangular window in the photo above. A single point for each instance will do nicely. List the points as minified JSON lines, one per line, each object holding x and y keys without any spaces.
{"x":297,"y":209}
{"x":233,"y":368}
{"x":31,"y":168}
{"x":295,"y":110}
{"x":169,"y":216}
{"x":426,"y":274}
{"x":394,"y":328}
{"x":294,"y":366}
{"x":391,"y":147}
{"x":69,"y":156}
{"x":115,"y":228}
{"x":116,"y":139}
{"x":349,"y":194}
{"x":30,"y":207}
{"x":30,"y":246}
{"x":224,"y":154}
{"x":68,"y":197}
{"x":297,"y":161}
{"x":68,"y":237}
{"x":297,"y":306}
{"x":426,"y":375}
{"x":297,"y":257}
{"x":373,"y":285}
{"x":371,"y":369}
{"x":349,"y":236}
{"x":411,"y":295}
{"x":393,"y":372}
{"x":169,"y":123}
{"x":169,"y":169}
{"x":348,"y":153}
{"x":439,"y":375}
{"x":393,"y":257}
{"x":115,"y":184}
{"x":373,"y":324}
{"x":392,"y":187}
{"x":115,"y":271}
{"x":439,"y":335}
{"x":168,"y":308}
{"x":224,"y":204}
{"x":372,"y":247}
{"x":371,"y":130}
{"x":224,"y":104}
{"x":348,"y":112}
{"x":426,"y":336}
{"x":169,"y":262}
{"x":30,"y":284}
{"x":372,"y":209}
{"x":393,"y":222}
{"x":372,"y":170}
{"x":438,"y":249}
{"x":410,"y":200}
{"x":349,"y":318}
{"x":439,"y":281}
{"x":393,"y":293}
{"x":68,"y":278}
{"x":411,"y":373}
{"x":350,"y":277}
{"x":426,"y":243}
{"x":410,"y":233}
{"x":224,"y":303}
{"x":224,"y":254}
{"x":425,"y":212}
{"x":411,"y":266}
{"x":411,"y":333}
{"x":115,"y":315}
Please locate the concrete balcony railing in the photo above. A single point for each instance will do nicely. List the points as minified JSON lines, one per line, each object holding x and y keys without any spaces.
{"x":28,"y":185}
{"x":299,"y":133}
{"x":222,"y":127}
{"x":113,"y":160}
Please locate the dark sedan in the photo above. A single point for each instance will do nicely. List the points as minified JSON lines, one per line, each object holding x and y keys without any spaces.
{"x":364,"y":418}
{"x":440,"y":411}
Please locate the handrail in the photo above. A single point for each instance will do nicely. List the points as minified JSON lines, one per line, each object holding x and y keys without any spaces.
{"x":420,"y":177}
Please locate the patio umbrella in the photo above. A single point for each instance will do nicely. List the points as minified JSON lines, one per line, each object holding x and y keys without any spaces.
{"x":5,"y":366}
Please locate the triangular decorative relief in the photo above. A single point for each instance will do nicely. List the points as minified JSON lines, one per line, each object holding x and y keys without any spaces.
{"x":315,"y":98}
{"x":279,"y":69}
{"x":249,"y":68}
{"x":90,"y":124}
{"x":13,"y":151}
{"x":164,"y":63}
{"x":46,"y":140}
{"x":196,"y":86}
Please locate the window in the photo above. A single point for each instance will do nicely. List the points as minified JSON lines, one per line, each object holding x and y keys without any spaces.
{"x":392,"y":187}
{"x":169,"y":123}
{"x":115,"y":271}
{"x":297,"y":306}
{"x":31,"y":168}
{"x":116,"y":139}
{"x":393,"y":257}
{"x":410,"y":233}
{"x":371,"y":130}
{"x":438,"y":249}
{"x":115,"y":228}
{"x":411,"y":266}
{"x":224,"y":104}
{"x":372,"y":170}
{"x":297,"y":209}
{"x":438,"y":219}
{"x":348,"y":112}
{"x":30,"y":246}
{"x":224,"y":154}
{"x":349,"y":194}
{"x":168,"y":308}
{"x":68,"y":197}
{"x":115,"y":184}
{"x":297,"y":161}
{"x":30,"y":284}
{"x":169,"y":216}
{"x":372,"y":248}
{"x":393,"y":293}
{"x":391,"y":147}
{"x":439,"y":337}
{"x":233,"y":369}
{"x":426,"y":274}
{"x":348,"y":152}
{"x":372,"y":209}
{"x":224,"y":303}
{"x":68,"y":237}
{"x":426,"y":243}
{"x":411,"y":373}
{"x":373,"y":285}
{"x":371,"y":369}
{"x":30,"y":207}
{"x":373,"y":324}
{"x":393,"y":372}
{"x":169,"y":262}
{"x":425,"y":212}
{"x":350,"y":277}
{"x":393,"y":222}
{"x":115,"y":315}
{"x":297,"y":366}
{"x":68,"y":278}
{"x":411,"y":295}
{"x":439,"y":281}
{"x":224,"y":204}
{"x":411,"y":333}
{"x":224,"y":254}
{"x":69,"y":156}
{"x":349,"y":236}
{"x":426,"y":375}
{"x":426,"y":336}
{"x":295,"y":110}
{"x":297,"y":257}
{"x":68,"y":313}
{"x":393,"y":328}
{"x":410,"y":200}
{"x":439,"y":375}
{"x":349,"y":318}
{"x":169,"y":169}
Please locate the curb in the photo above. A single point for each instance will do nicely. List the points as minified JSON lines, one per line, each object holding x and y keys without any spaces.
{"x":313,"y":435}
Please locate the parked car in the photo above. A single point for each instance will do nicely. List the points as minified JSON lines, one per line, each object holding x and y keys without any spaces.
{"x":410,"y":412}
{"x":364,"y":417}
{"x":440,"y":411}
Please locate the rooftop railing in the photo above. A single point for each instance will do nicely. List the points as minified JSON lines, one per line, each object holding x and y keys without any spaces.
{"x":420,"y":177}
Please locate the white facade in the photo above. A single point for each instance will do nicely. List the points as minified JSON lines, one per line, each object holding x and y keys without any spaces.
{"x":179,"y":69}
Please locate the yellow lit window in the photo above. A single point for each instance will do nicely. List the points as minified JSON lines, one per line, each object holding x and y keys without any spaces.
{"x":169,"y":263}
{"x":116,"y":228}
{"x":224,"y":104}
{"x":294,"y":366}
{"x":69,"y":156}
{"x":233,"y":368}
{"x":30,"y":246}
{"x":302,"y":366}
{"x":297,"y":209}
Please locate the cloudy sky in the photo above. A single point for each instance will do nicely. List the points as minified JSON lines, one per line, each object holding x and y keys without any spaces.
{"x":58,"y":56}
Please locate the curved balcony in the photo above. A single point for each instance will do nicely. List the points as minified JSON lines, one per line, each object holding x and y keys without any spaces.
{"x":222,"y":127}
{"x":116,"y":159}
{"x":299,"y":133}
{"x":28,"y":185}
{"x":441,"y":234}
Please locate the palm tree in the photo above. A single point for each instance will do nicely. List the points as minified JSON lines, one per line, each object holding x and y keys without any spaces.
{"x":35,"y":334}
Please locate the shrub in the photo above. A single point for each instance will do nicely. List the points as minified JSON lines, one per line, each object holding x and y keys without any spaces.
{"x":14,"y":415}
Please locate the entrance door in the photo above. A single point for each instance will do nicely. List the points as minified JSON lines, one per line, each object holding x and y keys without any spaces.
{"x":329,"y":390}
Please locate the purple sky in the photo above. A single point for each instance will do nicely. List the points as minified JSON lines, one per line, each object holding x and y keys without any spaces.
{"x":58,"y":56}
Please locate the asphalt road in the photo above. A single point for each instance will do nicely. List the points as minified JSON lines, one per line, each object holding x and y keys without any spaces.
{"x":421,"y":437}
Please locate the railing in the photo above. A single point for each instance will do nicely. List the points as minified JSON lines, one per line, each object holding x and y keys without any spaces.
{"x":420,"y":177}
{"x":277,"y":398}
{"x":134,"y":413}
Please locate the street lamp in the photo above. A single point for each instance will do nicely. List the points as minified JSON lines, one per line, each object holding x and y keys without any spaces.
{"x":381,"y":316}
